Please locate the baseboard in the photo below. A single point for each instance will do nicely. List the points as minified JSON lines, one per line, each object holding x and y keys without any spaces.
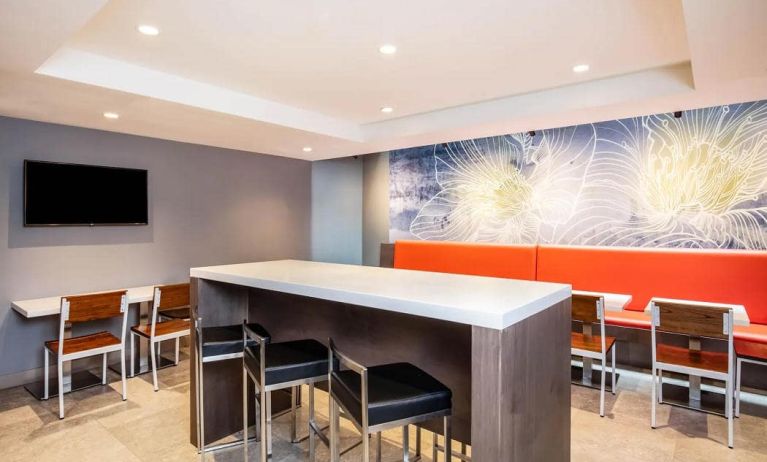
{"x":17,"y":379}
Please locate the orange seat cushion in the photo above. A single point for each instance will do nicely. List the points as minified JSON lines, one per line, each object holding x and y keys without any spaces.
{"x":84,"y":342}
{"x":756,"y":333}
{"x":723,"y":276}
{"x":633,"y":319}
{"x":751,"y":350}
{"x":503,"y":261}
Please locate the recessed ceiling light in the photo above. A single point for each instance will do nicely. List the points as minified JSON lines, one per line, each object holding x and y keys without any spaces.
{"x":387,"y":109}
{"x":580,"y":68}
{"x":307,"y":149}
{"x":388,"y":49}
{"x":146,"y":29}
{"x":111,"y":115}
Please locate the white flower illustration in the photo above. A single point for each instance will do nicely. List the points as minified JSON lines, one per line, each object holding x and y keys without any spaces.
{"x":507,"y":189}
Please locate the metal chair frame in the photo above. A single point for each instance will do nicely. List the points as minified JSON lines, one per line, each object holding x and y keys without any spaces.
{"x":363,"y":427}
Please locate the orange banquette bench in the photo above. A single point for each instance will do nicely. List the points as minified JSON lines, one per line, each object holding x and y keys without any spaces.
{"x":726,"y":276}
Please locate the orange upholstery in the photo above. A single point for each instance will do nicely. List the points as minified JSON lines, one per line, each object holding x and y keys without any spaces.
{"x":756,"y":333}
{"x":626,"y":318}
{"x":502,"y":261}
{"x":725,"y":276}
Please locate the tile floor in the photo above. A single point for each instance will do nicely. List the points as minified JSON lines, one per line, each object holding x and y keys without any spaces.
{"x":154,"y":427}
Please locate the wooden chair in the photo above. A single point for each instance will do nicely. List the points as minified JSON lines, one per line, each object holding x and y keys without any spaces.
{"x":589,"y":310}
{"x":695,"y":321}
{"x":747,"y":352}
{"x":165,"y":298}
{"x":84,"y":308}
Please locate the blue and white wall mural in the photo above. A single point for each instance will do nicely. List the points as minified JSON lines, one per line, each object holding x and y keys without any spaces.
{"x":698,"y":181}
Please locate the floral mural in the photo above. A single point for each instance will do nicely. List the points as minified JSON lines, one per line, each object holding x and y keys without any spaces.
{"x":699,"y":180}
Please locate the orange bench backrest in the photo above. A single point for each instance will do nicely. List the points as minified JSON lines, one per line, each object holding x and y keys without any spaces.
{"x":503,"y":261}
{"x":724,"y":276}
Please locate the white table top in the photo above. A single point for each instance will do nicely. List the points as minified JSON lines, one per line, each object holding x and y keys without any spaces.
{"x":613,"y":302}
{"x":49,"y":306}
{"x":739,"y":313}
{"x":480,"y":301}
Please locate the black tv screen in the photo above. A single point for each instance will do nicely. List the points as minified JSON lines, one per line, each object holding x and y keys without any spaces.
{"x":57,"y":194}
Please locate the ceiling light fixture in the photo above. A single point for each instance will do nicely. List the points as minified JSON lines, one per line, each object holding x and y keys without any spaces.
{"x":580,"y":68}
{"x":146,"y":29}
{"x":307,"y":149}
{"x":388,"y":49}
{"x":387,"y":109}
{"x":111,"y":115}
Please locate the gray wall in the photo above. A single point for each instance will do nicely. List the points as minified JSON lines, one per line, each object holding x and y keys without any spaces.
{"x":375,"y":206}
{"x":207,"y":206}
{"x":337,"y":210}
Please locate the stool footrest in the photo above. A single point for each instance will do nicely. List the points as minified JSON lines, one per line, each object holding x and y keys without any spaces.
{"x":456,"y":454}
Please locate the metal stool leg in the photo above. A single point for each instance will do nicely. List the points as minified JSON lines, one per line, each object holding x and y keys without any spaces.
{"x":405,"y":444}
{"x":244,"y":413}
{"x":378,"y":447}
{"x":448,"y":440}
{"x":434,"y":443}
{"x":293,"y":408}
{"x":312,"y":437}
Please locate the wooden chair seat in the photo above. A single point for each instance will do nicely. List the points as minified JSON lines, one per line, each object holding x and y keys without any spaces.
{"x":751,"y":350}
{"x":162,"y":328}
{"x":84,"y":343}
{"x":590,"y":343}
{"x":681,"y":356}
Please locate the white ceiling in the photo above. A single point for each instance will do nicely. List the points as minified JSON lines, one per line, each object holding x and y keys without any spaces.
{"x":275,"y":76}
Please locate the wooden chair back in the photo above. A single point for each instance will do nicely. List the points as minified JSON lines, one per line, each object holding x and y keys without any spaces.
{"x":92,"y":307}
{"x":693,"y":320}
{"x":172,"y":296}
{"x":587,"y":308}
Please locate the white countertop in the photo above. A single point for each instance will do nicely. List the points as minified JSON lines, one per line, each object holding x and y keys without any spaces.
{"x":49,"y":306}
{"x":479,"y":301}
{"x":739,"y":313}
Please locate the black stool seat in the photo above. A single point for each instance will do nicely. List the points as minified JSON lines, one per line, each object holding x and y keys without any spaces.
{"x":226,"y":340}
{"x":289,"y":361}
{"x":395,"y":391}
{"x":176,"y":313}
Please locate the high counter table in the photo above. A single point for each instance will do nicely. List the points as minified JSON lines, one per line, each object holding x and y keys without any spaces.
{"x":501,"y":345}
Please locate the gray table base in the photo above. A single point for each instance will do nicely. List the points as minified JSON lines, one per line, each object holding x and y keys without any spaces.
{"x":79,"y":381}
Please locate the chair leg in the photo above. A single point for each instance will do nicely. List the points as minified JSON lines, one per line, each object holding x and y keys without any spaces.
{"x":293,"y":412}
{"x":334,"y":430}
{"x":132,"y":355}
{"x":417,"y":442}
{"x":264,"y":426}
{"x":268,"y":412}
{"x":448,"y":440}
{"x":737,"y":388}
{"x":434,"y":442}
{"x":60,"y":373}
{"x":602,"y":387}
{"x":365,"y":447}
{"x":312,"y":437}
{"x":200,"y":408}
{"x":46,"y":372}
{"x":154,"y":362}
{"x":613,"y":363}
{"x":730,"y":417}
{"x":178,"y":342}
{"x":104,"y":369}
{"x":257,"y":409}
{"x":405,"y":443}
{"x":660,"y":386}
{"x":123,"y":373}
{"x":654,"y":391}
{"x":378,"y":446}
{"x":244,"y":413}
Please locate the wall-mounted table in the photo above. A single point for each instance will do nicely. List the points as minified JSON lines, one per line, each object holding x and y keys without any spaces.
{"x":501,"y":345}
{"x":138,"y":298}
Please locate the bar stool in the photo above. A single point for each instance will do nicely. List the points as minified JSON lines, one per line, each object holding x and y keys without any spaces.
{"x":277,"y":366}
{"x":169,"y":297}
{"x":216,"y":343}
{"x":747,"y":352}
{"x":378,"y":398}
{"x":83,"y":308}
{"x":590,"y":309}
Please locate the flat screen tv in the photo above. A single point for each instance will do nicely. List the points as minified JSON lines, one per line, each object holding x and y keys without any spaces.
{"x":58,"y":194}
